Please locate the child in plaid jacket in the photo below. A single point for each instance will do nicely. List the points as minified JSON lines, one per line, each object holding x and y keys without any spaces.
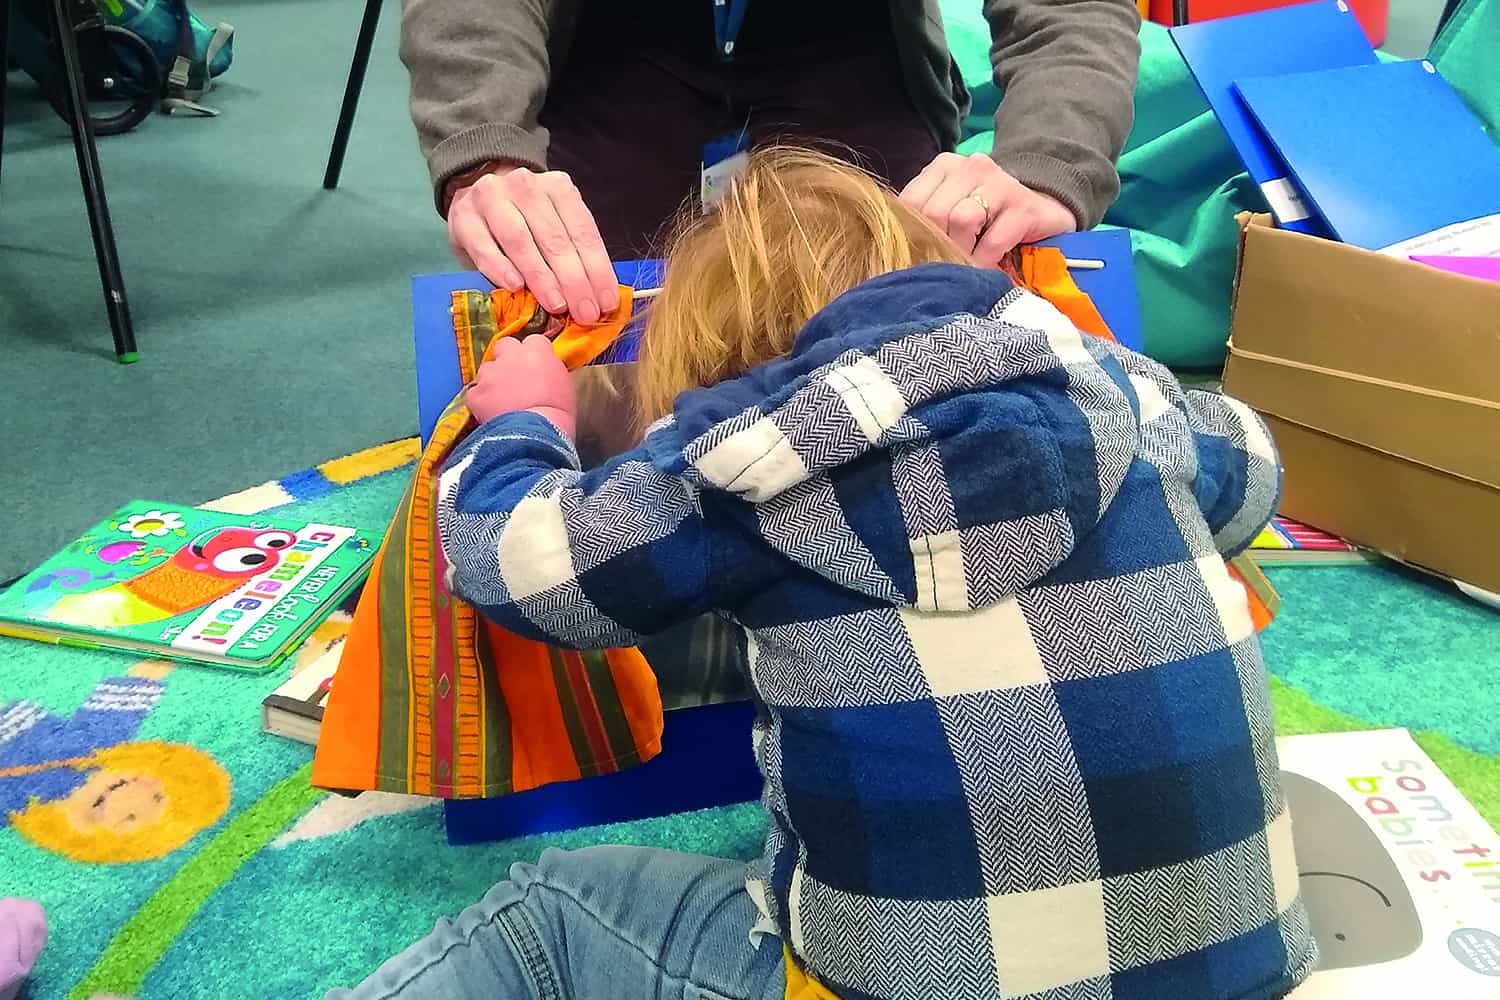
{"x":1014,"y":722}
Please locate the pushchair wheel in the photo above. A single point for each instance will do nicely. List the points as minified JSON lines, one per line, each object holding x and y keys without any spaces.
{"x":117,"y":101}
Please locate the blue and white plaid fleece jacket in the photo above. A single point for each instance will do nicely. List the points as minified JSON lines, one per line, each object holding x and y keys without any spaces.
{"x":1015,"y":727}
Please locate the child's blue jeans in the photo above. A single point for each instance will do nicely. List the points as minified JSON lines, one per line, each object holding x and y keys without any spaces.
{"x":604,"y":923}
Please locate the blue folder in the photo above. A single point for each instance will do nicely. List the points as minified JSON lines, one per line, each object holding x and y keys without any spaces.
{"x":706,"y":761}
{"x":1297,"y":39}
{"x":1386,"y":152}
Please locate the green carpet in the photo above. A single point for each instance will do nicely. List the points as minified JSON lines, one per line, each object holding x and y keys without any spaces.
{"x":292,"y":891}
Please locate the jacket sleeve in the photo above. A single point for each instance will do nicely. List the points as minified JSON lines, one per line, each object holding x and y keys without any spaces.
{"x":1218,"y":443}
{"x":479,"y":73}
{"x":1067,"y":69}
{"x":592,"y":560}
{"x":1239,"y":473}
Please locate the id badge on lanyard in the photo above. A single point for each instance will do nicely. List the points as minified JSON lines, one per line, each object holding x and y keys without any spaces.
{"x":725,"y":157}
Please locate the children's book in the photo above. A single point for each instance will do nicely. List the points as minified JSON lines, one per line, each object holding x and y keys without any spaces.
{"x":189,"y":584}
{"x":1399,"y":873}
{"x":1287,"y":541}
{"x":1389,"y":155}
{"x":295,"y":709}
{"x":1295,"y":39}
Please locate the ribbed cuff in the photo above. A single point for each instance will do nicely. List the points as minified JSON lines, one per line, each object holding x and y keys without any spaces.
{"x":483,"y":144}
{"x":1054,"y":177}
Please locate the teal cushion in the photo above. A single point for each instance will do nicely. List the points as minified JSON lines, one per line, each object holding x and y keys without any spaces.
{"x":1465,"y":54}
{"x":1180,"y":188}
{"x":969,"y":41}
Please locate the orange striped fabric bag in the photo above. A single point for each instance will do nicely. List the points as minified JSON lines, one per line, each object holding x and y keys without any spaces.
{"x":429,"y":698}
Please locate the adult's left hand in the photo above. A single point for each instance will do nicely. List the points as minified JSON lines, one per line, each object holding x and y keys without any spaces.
{"x":985,"y":210}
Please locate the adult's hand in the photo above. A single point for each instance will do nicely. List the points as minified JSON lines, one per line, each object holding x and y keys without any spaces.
{"x":524,"y":229}
{"x":985,"y":210}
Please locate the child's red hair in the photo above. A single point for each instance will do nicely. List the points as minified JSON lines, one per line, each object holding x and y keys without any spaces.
{"x":794,"y":232}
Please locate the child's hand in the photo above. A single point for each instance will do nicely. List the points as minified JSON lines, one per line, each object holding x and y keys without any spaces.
{"x":524,"y":375}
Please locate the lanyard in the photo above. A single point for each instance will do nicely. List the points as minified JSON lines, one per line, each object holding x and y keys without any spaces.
{"x":728,"y":16}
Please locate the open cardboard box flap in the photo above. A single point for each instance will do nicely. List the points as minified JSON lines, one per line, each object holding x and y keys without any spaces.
{"x":1380,"y":378}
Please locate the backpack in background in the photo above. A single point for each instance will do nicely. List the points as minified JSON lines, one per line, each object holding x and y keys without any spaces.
{"x":190,"y":53}
{"x":186,"y":53}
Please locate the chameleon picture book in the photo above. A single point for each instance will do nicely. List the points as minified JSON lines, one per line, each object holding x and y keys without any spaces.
{"x":189,"y":584}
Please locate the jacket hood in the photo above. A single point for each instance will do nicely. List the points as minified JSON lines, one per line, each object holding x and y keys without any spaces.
{"x":937,"y":438}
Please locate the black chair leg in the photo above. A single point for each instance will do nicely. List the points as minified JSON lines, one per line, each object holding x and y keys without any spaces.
{"x":351,"y":93}
{"x":93,"y":185}
{"x":5,"y":6}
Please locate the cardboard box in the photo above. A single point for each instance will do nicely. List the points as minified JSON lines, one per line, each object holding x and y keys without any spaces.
{"x":1380,"y":379}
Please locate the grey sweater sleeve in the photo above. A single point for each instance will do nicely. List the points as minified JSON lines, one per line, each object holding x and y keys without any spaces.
{"x":1068,"y":70}
{"x":479,"y":72}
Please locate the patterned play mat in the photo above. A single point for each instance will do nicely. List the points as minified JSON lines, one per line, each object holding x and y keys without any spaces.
{"x":226,"y":875}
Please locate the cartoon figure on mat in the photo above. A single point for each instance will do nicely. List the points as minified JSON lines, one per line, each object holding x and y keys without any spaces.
{"x":80,"y":788}
{"x":206,"y":569}
{"x":1357,"y":902}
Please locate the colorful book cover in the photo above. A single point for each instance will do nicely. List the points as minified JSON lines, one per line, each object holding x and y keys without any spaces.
{"x":1399,"y":873}
{"x":189,"y":584}
{"x":1287,"y":541}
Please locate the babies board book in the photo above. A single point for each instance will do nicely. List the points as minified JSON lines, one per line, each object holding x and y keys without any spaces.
{"x":189,"y":584}
{"x":1399,"y":873}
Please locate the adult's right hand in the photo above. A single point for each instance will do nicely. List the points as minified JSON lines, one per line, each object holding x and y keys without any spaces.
{"x":523,"y":229}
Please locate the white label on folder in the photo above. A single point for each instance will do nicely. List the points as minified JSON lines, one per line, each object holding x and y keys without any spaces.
{"x":1475,"y":238}
{"x":1285,"y":200}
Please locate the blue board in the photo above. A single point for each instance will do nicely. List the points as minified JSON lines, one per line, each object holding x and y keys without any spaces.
{"x":1112,"y":287}
{"x":1386,"y":152}
{"x":706,"y":758}
{"x":1297,"y":39}
{"x":706,"y":761}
